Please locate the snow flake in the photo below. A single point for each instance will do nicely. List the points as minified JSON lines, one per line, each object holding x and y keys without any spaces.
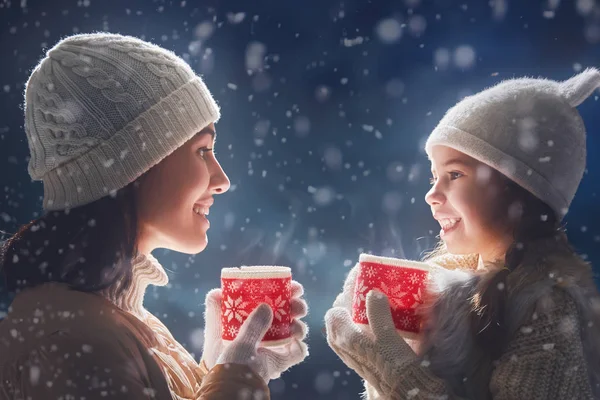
{"x":370,"y":272}
{"x":418,"y":298}
{"x":274,"y":330}
{"x":277,"y":306}
{"x":233,"y":330}
{"x":414,"y":278}
{"x":395,"y":294}
{"x":361,"y":292}
{"x":406,"y":322}
{"x":235,"y":308}
{"x":234,"y":286}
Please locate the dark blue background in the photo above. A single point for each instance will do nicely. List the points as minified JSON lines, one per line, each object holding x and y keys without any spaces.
{"x":354,"y":180}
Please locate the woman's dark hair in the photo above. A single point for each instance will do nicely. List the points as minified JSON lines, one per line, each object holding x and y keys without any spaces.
{"x":87,"y":247}
{"x":531,"y":219}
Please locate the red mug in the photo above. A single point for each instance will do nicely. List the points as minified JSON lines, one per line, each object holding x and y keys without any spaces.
{"x":245,"y":288}
{"x":402,"y":281}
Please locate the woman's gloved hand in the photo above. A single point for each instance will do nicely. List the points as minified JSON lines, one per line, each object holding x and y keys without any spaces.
{"x":245,"y":349}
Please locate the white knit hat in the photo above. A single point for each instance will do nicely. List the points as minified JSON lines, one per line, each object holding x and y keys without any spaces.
{"x":101,"y":109}
{"x":527,"y":129}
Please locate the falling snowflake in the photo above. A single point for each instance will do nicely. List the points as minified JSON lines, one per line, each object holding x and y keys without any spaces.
{"x":277,"y":306}
{"x":234,"y":308}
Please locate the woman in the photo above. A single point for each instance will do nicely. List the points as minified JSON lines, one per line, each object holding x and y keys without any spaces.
{"x":121,"y":133}
{"x":514,"y":312}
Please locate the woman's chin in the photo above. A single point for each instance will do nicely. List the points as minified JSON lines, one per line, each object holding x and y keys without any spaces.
{"x":191,"y":247}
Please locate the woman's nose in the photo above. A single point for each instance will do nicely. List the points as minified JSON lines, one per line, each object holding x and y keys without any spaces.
{"x":220,"y":181}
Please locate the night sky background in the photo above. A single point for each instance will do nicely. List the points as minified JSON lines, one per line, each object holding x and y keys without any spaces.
{"x":326,"y":107}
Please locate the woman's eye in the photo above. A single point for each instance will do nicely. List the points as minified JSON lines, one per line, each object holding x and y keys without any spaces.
{"x":202,"y":152}
{"x":432,"y":181}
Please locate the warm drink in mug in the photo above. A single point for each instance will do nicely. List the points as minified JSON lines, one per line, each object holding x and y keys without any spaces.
{"x":245,"y":288}
{"x":402,"y":281}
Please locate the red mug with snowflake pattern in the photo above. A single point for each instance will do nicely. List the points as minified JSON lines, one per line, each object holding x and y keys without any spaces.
{"x":245,"y":288}
{"x":402,"y":281}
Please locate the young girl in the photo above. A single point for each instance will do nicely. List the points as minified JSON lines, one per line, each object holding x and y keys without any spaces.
{"x":514,"y":312}
{"x":121,"y":133}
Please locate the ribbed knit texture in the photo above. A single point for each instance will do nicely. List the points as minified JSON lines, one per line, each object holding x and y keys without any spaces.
{"x":529,"y":130}
{"x":146,"y":271}
{"x":101,"y":109}
{"x":181,"y":370}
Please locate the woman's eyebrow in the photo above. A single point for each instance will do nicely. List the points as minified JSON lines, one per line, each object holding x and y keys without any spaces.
{"x":206,"y":130}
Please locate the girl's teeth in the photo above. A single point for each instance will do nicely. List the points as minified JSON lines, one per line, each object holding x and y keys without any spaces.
{"x":201,"y":210}
{"x":449,"y":223}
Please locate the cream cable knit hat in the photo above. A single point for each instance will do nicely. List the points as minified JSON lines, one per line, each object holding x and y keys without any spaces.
{"x":529,"y":130}
{"x":101,"y":109}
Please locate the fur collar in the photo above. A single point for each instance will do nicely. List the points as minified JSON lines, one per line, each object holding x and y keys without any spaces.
{"x":451,"y":348}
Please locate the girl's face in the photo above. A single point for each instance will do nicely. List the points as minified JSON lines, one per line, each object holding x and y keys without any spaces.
{"x":467,"y":199}
{"x":175,"y":196}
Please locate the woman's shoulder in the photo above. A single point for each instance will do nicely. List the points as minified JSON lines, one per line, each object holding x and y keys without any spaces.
{"x":53,"y":312}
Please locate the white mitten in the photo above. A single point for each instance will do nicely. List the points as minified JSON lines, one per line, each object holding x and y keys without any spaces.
{"x":245,"y":349}
{"x":379,"y":355}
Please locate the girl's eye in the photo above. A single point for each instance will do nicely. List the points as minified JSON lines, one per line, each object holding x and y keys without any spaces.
{"x":455,"y":175}
{"x":202,"y":152}
{"x":432,"y":181}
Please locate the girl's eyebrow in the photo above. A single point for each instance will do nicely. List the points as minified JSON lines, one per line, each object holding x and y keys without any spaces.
{"x":454,"y":161}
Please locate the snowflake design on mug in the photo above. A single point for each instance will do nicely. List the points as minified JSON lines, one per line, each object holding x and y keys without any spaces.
{"x":395,"y":295}
{"x":370,"y":272}
{"x":393,"y":274}
{"x":277,"y":306}
{"x":234,"y":286}
{"x":361,"y":292}
{"x":406,"y":322}
{"x":362,"y":315}
{"x":418,"y":298}
{"x":252,"y":288}
{"x":271,"y":287}
{"x":414,"y":278}
{"x":235,"y":308}
{"x":233,"y":330}
{"x":274,"y":330}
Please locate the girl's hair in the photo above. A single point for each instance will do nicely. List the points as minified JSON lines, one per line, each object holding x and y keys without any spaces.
{"x":88,"y":247}
{"x":530,"y":219}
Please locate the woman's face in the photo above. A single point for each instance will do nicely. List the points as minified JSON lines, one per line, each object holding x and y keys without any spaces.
{"x":174,"y":197}
{"x":467,"y":199}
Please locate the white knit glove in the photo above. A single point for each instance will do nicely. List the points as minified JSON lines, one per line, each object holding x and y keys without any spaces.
{"x":378,"y":354}
{"x":245,"y":348}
